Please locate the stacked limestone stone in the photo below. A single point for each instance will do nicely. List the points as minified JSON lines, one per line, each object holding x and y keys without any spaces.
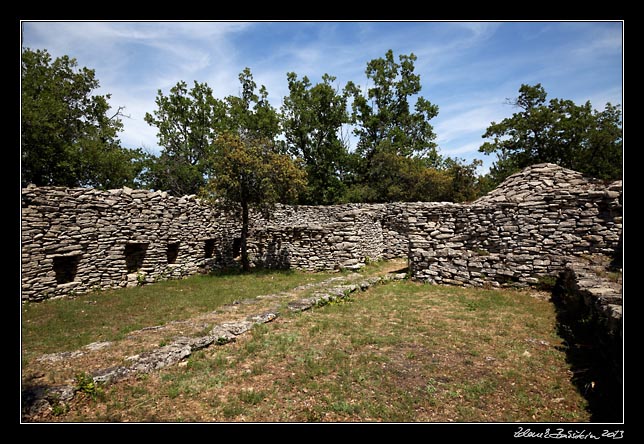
{"x":76,"y":240}
{"x":319,"y":238}
{"x":522,"y":230}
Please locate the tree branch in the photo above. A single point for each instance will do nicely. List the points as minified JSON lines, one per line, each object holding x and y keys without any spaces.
{"x":119,"y":113}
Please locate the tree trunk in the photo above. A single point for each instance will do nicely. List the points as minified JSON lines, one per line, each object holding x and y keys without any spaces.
{"x":244,"y":235}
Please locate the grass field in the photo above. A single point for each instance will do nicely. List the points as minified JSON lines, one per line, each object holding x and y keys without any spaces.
{"x":400,"y":352}
{"x":67,"y":324}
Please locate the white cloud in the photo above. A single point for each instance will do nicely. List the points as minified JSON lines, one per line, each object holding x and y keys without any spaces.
{"x":133,"y":60}
{"x":470,"y":120}
{"x":600,"y":98}
{"x":598,"y":43}
{"x":467,"y":69}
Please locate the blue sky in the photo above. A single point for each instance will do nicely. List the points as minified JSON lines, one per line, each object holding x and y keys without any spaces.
{"x":468,"y":69}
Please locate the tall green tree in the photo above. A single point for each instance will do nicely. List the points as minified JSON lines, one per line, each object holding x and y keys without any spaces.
{"x":68,"y":134}
{"x":251,"y":173}
{"x":188,"y":122}
{"x":559,"y":131}
{"x":246,"y":167}
{"x":250,"y":114}
{"x":387,"y":126}
{"x":312,"y":119}
{"x":384,"y":118}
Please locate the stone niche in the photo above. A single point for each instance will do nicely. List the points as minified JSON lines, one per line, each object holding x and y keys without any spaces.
{"x":209,"y":248}
{"x":135,"y":256}
{"x":172,"y":252}
{"x":66,"y":268}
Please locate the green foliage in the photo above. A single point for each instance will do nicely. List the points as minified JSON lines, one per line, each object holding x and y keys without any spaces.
{"x":251,"y":115}
{"x":395,"y":178}
{"x":384,"y":118}
{"x":67,"y":136}
{"x":250,"y":172}
{"x":572,"y":136}
{"x":464,"y":184}
{"x":86,"y":384}
{"x":396,"y":158}
{"x":188,"y":121}
{"x":312,"y":118}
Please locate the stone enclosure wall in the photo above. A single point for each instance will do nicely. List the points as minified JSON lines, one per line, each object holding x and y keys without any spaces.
{"x":327,"y":237}
{"x":76,"y":240}
{"x":523,"y":230}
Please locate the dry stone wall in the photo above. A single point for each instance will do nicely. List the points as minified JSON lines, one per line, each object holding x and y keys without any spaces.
{"x":329,"y":237}
{"x":523,"y":230}
{"x":76,"y":240}
{"x":318,"y":238}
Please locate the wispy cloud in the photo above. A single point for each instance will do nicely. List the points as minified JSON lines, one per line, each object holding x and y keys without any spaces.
{"x":467,"y":69}
{"x":472,"y":121}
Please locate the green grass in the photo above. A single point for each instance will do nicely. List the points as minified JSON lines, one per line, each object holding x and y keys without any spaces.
{"x":400,"y":352}
{"x":68,"y":324}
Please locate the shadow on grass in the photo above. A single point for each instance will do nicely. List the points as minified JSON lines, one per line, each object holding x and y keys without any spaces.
{"x":595,"y":358}
{"x":256,"y":271}
{"x":401,"y":270}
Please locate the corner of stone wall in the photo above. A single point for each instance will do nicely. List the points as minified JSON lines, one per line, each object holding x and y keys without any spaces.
{"x":588,"y":299}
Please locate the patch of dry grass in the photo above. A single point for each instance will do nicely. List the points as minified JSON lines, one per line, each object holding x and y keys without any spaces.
{"x":401,"y":352}
{"x":68,"y":324}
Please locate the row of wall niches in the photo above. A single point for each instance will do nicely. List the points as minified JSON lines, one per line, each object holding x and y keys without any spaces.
{"x":134,"y":253}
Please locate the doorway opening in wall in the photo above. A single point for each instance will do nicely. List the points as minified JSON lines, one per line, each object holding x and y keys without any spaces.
{"x":172,"y":252}
{"x":65,"y":268}
{"x":209,"y":248}
{"x":237,"y":247}
{"x":134,"y":256}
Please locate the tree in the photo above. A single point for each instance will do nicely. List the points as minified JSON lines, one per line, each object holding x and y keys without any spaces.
{"x":68,"y":136}
{"x":251,"y":115}
{"x":414,"y":179}
{"x":384,"y":118}
{"x":312,"y":118}
{"x":395,"y":178}
{"x":250,"y":172}
{"x":572,"y":136}
{"x":464,"y":183}
{"x":188,"y":122}
{"x":385,"y":123}
{"x":245,"y":166}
